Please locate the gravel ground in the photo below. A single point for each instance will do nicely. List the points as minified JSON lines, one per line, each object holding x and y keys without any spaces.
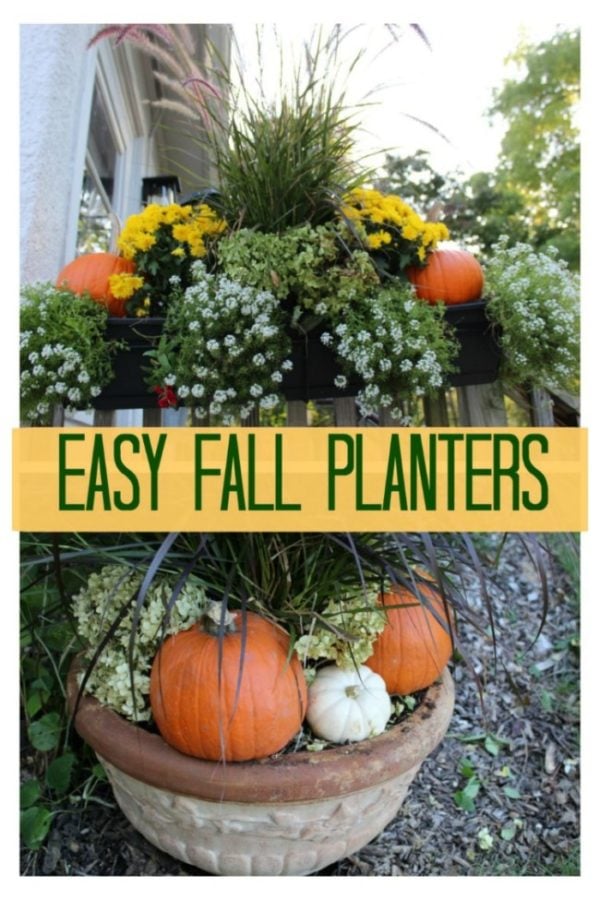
{"x":514,"y":765}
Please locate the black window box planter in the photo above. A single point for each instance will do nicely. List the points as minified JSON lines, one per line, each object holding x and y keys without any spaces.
{"x":128,"y":388}
{"x":478,"y":360}
{"x":315,"y":365}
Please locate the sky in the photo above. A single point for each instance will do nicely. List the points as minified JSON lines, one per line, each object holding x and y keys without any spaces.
{"x":447,"y":84}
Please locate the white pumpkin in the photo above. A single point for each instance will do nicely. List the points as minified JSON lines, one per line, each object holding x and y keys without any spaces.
{"x":347,"y":704}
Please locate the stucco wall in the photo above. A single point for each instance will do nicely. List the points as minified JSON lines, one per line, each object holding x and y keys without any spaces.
{"x":56,"y":85}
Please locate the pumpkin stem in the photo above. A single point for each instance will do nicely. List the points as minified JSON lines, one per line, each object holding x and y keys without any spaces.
{"x":352,"y":691}
{"x":212,"y":617}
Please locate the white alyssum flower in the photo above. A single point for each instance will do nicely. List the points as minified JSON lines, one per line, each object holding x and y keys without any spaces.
{"x":234,"y":356}
{"x":395,"y":344}
{"x":535,"y":300}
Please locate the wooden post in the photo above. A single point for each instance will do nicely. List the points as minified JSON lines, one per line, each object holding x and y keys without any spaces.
{"x":482,"y":404}
{"x":385,"y":419}
{"x":542,"y":408}
{"x":252,"y":421}
{"x":103,"y":418}
{"x":345,"y":411}
{"x":297,"y":414}
{"x":58,"y":416}
{"x":435,"y":409}
{"x":152,"y":418}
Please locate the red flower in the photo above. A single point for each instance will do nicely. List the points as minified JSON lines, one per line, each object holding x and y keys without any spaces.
{"x":166,"y":396}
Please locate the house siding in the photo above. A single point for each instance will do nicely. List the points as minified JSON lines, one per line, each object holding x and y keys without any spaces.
{"x":57,"y":74}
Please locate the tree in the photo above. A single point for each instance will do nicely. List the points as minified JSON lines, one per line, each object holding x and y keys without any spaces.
{"x":533,"y":195}
{"x":540,"y":155}
{"x":414,"y":179}
{"x":477,"y":210}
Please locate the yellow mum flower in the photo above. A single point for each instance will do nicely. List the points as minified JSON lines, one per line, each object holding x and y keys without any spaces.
{"x":124,"y":286}
{"x":370,"y":210}
{"x":375,"y":240}
{"x":410,"y":233}
{"x":181,"y":232}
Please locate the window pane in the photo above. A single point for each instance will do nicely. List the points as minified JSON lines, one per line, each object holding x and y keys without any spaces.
{"x":95,"y":224}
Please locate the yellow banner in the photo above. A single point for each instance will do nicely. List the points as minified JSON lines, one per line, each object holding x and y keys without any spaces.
{"x":300,"y":479}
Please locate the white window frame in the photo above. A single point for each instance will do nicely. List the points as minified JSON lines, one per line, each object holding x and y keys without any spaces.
{"x":122,"y":81}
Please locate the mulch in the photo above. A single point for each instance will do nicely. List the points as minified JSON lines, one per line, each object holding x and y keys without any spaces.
{"x":516,"y":758}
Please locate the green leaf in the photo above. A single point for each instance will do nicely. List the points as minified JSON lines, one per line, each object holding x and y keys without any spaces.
{"x":546,"y":700}
{"x":35,"y":824}
{"x":472,"y":787}
{"x":44,"y":734}
{"x":99,"y":772}
{"x":44,"y":680}
{"x":58,"y":636}
{"x":470,"y":738}
{"x":466,"y":767}
{"x":508,"y":832}
{"x":30,"y":791}
{"x":33,"y":704}
{"x":491,"y":745}
{"x":58,"y":776}
{"x":512,"y":792}
{"x":464,"y":802}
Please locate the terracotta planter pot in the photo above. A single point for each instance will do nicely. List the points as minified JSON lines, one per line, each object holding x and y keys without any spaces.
{"x":287,"y":815}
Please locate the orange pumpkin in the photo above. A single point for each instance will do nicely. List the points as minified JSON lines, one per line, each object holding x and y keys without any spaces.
{"x":238,"y":698}
{"x":91,"y":272}
{"x":413,"y":648}
{"x":451,"y":275}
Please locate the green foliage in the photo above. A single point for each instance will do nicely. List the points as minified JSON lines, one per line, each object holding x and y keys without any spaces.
{"x":64,"y":357}
{"x":535,"y":300}
{"x":393,"y":343}
{"x":290,"y":161}
{"x":35,"y":825}
{"x":45,"y":733}
{"x":477,"y":210}
{"x":540,"y":154}
{"x":533,"y":195}
{"x":415,"y":180}
{"x":310,"y":266}
{"x":282,"y":168}
{"x":566,"y":551}
{"x":60,"y":772}
{"x":465,"y":797}
{"x":483,"y":209}
{"x":55,"y":765}
{"x":535,"y":864}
